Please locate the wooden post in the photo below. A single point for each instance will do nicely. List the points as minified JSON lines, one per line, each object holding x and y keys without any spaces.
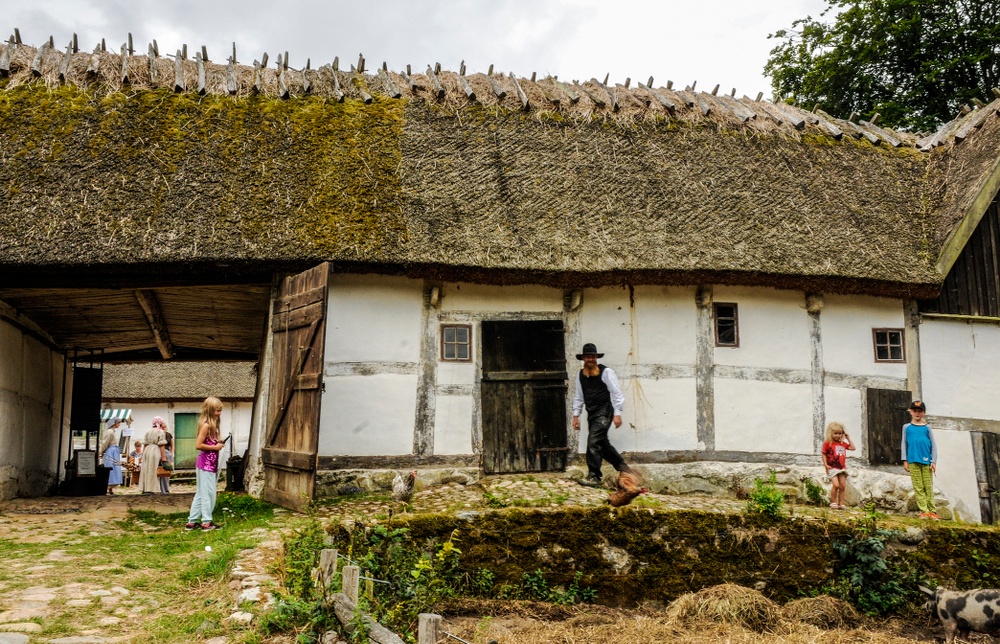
{"x":350,"y":576}
{"x":327,"y":565}
{"x":427,"y":629}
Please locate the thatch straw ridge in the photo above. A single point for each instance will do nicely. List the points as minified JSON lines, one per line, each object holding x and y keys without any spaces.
{"x":544,"y":95}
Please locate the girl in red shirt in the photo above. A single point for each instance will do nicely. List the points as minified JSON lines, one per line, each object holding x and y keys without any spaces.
{"x":835,"y":461}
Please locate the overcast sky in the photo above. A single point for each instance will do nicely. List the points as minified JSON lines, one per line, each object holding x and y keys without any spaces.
{"x":708,"y":41}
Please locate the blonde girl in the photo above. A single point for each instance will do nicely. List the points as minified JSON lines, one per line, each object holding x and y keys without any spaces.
{"x":206,"y":466}
{"x":835,"y":461}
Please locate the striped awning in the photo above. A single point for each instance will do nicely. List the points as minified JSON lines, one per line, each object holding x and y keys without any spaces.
{"x":115,"y":414}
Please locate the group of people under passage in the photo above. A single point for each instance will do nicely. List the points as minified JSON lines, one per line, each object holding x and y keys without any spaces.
{"x":152,"y":459}
{"x":148,"y":465}
{"x":599,"y":392}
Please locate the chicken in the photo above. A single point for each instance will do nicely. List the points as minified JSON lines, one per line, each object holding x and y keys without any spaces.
{"x":628,"y":486}
{"x":402,"y":489}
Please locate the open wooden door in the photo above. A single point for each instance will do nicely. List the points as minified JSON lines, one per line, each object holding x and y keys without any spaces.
{"x":291,"y":437}
{"x":523,"y":395}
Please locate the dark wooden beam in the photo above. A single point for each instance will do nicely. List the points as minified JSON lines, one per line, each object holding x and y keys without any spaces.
{"x":154,"y":316}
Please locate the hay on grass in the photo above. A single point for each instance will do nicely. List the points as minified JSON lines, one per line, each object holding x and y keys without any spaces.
{"x":726,"y":604}
{"x":823,"y":612}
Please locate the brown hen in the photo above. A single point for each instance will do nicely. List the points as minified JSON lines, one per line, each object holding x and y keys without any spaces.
{"x":628,"y":486}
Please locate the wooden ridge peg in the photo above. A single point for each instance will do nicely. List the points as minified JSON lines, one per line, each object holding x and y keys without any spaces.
{"x":390,"y":87}
{"x":36,"y":63}
{"x":520,"y":92}
{"x":497,"y":90}
{"x":432,"y":74}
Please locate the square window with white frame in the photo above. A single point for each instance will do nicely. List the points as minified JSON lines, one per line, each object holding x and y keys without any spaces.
{"x":888,"y":345}
{"x":727,"y":327}
{"x":456,"y":342}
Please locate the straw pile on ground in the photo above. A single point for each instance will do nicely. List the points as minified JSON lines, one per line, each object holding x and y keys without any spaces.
{"x":822,"y":612}
{"x":726,"y":604}
{"x":726,"y":613}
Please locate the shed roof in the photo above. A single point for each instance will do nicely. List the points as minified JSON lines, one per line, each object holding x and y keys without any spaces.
{"x":179,"y":381}
{"x":568,"y":184}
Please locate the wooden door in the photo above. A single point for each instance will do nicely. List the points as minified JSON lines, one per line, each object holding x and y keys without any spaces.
{"x":989,"y":477}
{"x":886,"y":416}
{"x":523,"y":393}
{"x":291,"y":436}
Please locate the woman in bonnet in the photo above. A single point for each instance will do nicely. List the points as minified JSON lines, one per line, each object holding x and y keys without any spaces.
{"x":152,"y":454}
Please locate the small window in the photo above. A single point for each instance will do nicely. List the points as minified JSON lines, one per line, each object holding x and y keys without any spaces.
{"x":888,"y":345}
{"x":456,"y":342}
{"x":727,"y":327}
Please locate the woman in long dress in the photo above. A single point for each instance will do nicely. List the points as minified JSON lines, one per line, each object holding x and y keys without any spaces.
{"x":111,"y":455}
{"x":168,"y":450}
{"x":152,"y":453}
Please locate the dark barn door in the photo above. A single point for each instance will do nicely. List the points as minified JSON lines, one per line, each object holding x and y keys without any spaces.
{"x":523,"y":396}
{"x":291,"y":438}
{"x":989,"y":489}
{"x":886,"y":416}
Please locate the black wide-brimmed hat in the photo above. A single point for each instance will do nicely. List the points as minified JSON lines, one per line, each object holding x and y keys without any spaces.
{"x":589,"y":349}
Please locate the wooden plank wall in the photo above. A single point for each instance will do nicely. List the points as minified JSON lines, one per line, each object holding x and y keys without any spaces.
{"x":973,"y":285}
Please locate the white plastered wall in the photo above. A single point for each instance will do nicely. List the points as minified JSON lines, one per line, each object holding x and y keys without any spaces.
{"x":760,"y":416}
{"x":455,"y":409}
{"x":372,"y":356}
{"x":31,"y":381}
{"x":848,"y":351}
{"x":960,"y":369}
{"x":847,"y":323}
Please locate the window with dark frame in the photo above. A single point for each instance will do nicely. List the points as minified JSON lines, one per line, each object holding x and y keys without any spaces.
{"x":727,"y":327}
{"x":456,"y":342}
{"x":888,"y":345}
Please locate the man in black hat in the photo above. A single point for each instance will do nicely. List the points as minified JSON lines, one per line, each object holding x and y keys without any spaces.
{"x":597,"y":388}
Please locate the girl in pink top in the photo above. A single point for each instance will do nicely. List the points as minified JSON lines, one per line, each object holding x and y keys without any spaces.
{"x":206,"y":467}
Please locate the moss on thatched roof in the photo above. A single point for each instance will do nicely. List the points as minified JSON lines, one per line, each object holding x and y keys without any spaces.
{"x":562,"y":192}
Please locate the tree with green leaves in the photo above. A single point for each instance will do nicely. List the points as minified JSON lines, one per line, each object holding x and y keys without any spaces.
{"x":914,"y":62}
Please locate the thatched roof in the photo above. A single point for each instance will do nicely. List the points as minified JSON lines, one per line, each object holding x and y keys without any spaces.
{"x":179,"y":381}
{"x":554,"y":182}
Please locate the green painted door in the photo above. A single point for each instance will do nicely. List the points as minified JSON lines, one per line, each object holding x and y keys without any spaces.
{"x":185,"y":436}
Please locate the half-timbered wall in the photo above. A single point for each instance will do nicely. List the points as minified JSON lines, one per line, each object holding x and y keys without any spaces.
{"x":31,"y":382}
{"x":388,"y":391}
{"x":802,"y":361}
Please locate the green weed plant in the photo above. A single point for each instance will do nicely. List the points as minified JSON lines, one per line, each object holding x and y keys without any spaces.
{"x":875,"y":584}
{"x":765,"y":498}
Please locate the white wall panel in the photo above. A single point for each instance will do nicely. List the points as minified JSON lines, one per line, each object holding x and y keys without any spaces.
{"x":453,"y":425}
{"x":373,"y":319}
{"x":846,"y":326}
{"x":773,"y":328}
{"x":666,"y":324}
{"x":960,"y":368}
{"x":368,"y":415}
{"x":956,"y":476}
{"x":663,"y":413}
{"x":758,"y":416}
{"x":606,"y":320}
{"x":844,"y":406}
{"x":500,"y":299}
